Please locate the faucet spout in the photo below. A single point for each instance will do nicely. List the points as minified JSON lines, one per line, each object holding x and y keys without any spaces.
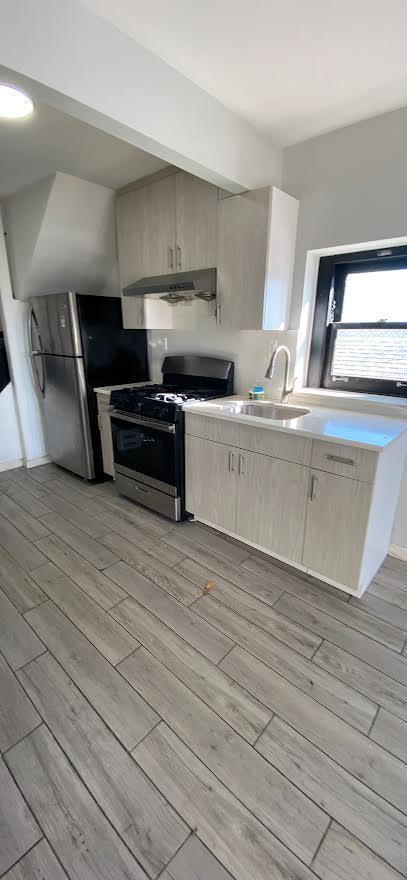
{"x":287,"y":389}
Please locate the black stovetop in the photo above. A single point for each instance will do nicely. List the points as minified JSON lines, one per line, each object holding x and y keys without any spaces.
{"x":161,"y":402}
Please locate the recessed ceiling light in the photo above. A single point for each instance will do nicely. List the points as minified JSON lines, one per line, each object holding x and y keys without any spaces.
{"x":14,"y":103}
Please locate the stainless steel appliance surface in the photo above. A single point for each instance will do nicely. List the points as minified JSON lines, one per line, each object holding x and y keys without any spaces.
{"x":78,"y":342}
{"x":148,"y":430}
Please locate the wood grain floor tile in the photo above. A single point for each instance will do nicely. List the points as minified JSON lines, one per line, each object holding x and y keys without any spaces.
{"x":349,"y":801}
{"x":198,"y":533}
{"x":195,"y":862}
{"x":26,"y":500}
{"x":17,"y":584}
{"x":343,"y":699}
{"x":40,"y":863}
{"x":80,"y":835}
{"x":92,"y":550}
{"x":75,"y":515}
{"x":294,"y":819}
{"x":291,"y":582}
{"x":370,"y":682}
{"x":391,"y":733}
{"x":106,"y":634}
{"x":201,"y":635}
{"x":18,"y":828}
{"x":139,"y":813}
{"x":18,"y":643}
{"x":17,"y":714}
{"x":244,"y":713}
{"x":22,"y":477}
{"x":252,"y":609}
{"x":384,"y":608}
{"x":368,"y":762}
{"x":238,"y":840}
{"x":90,"y":579}
{"x":342,"y":856}
{"x":172,"y":582}
{"x":361,"y":646}
{"x":22,"y":550}
{"x":28,"y":525}
{"x":120,"y":706}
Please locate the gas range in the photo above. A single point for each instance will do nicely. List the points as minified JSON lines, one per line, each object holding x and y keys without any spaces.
{"x":162,"y":402}
{"x":148,"y":430}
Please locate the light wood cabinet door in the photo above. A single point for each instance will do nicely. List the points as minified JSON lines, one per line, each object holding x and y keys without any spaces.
{"x":105,"y":434}
{"x":211,"y":481}
{"x":159,"y":227}
{"x":196,"y":217}
{"x":336,"y":525}
{"x":130,"y":218}
{"x":271,"y":505}
{"x":242,"y":255}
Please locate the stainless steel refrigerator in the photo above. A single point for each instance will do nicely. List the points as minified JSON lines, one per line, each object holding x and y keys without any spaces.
{"x":77,"y":343}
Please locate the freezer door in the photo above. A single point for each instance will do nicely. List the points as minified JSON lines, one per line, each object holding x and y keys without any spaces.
{"x":57,"y":319}
{"x":66,"y":415}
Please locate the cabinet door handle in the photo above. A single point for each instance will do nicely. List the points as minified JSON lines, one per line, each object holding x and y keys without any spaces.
{"x":340,"y":459}
{"x":232,"y":462}
{"x":179,"y":257}
{"x":170,"y":257}
{"x":241,"y":466}
{"x":217,"y":314}
{"x":313,"y":488}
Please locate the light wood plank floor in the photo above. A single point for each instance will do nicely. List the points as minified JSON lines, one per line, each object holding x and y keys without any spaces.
{"x":175,"y":705}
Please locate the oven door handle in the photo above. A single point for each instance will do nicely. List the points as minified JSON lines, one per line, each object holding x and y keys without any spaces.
{"x":147,"y":423}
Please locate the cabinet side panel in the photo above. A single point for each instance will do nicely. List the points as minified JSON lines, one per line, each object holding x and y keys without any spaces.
{"x":280,"y":260}
{"x":384,"y":502}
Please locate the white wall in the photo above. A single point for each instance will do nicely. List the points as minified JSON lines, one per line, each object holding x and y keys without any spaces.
{"x":352,"y":186}
{"x":10,"y":446}
{"x":250,"y":350}
{"x":15,"y":326}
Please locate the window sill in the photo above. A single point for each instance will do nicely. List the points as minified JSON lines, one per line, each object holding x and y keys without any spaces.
{"x":393,"y":407}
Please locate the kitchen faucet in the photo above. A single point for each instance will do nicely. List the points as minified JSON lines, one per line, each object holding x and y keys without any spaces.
{"x":287,"y":389}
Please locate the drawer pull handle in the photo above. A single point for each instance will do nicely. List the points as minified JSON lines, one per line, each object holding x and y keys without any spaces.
{"x":313,"y":488}
{"x":340,"y":460}
{"x":232,"y":462}
{"x":241,"y":466}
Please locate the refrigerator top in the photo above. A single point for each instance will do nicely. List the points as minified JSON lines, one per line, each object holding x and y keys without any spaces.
{"x":58,"y":324}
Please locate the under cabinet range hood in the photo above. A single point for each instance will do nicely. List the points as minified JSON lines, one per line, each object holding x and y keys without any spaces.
{"x":176,"y":287}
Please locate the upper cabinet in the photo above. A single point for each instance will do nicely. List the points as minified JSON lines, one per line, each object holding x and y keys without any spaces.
{"x":196,"y":219}
{"x":167,"y":226}
{"x":255,"y":260}
{"x":176,"y":223}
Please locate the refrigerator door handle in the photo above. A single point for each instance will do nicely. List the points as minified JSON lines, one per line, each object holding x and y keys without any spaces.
{"x":34,"y":353}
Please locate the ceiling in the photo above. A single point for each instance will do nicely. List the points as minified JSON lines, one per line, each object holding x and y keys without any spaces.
{"x":52,"y":141}
{"x":292,"y":68}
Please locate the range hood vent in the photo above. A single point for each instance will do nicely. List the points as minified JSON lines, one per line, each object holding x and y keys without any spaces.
{"x":201,"y":283}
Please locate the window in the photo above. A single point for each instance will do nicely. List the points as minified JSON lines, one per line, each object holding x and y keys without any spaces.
{"x":359,"y":340}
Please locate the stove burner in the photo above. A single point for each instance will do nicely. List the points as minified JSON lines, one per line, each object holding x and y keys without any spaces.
{"x":171,"y":397}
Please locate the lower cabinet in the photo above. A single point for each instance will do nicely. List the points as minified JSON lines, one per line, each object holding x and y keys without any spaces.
{"x":105,"y":434}
{"x":271,"y":503}
{"x":211,"y":481}
{"x":260,"y":498}
{"x":336,"y":525}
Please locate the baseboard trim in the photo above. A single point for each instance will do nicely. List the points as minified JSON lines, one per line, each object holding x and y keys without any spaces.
{"x":10,"y":465}
{"x":398,"y":552}
{"x":35,"y":462}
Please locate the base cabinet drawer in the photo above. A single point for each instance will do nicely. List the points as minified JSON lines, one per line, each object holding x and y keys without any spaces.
{"x":345,"y":461}
{"x":336,"y":524}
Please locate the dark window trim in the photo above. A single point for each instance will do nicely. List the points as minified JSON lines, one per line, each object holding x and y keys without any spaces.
{"x":332,"y":272}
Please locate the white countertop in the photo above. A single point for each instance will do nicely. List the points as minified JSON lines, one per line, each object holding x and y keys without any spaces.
{"x":323,"y":423}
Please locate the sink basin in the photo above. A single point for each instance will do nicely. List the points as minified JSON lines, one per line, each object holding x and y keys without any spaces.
{"x":277,"y":411}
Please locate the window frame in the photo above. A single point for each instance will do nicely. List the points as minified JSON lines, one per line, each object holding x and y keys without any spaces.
{"x":328,"y":306}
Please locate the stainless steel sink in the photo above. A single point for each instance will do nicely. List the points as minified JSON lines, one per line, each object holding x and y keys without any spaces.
{"x":277,"y":411}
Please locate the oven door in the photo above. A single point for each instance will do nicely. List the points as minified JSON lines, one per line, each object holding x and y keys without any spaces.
{"x":146,"y":450}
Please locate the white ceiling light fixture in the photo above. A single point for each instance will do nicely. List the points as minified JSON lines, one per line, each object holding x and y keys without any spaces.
{"x":14,"y":103}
